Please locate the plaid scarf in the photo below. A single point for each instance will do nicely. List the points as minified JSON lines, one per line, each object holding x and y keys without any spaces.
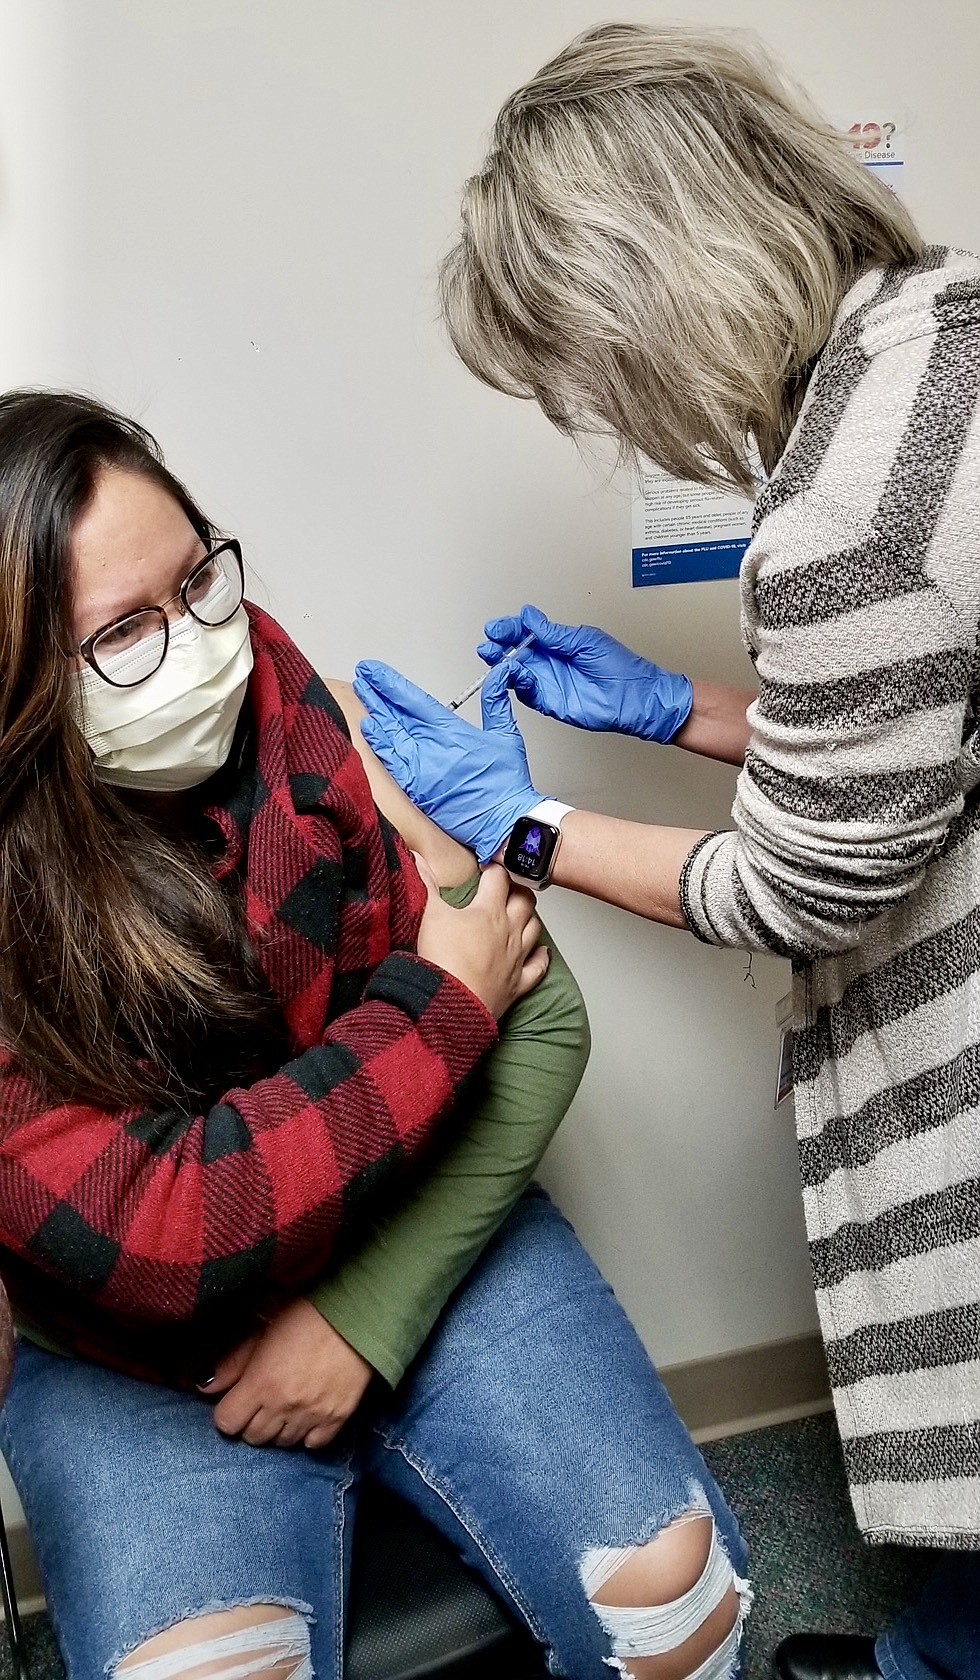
{"x":152,"y":1240}
{"x":330,"y":888}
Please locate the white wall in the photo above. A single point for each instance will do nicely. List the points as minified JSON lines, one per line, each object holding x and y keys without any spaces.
{"x":226,"y":218}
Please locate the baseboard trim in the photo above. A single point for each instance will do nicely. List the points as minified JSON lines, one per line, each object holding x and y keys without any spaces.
{"x":30,"y":1593}
{"x":752,"y":1388}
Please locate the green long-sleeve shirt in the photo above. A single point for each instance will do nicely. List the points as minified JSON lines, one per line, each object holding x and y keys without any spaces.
{"x":385,"y":1296}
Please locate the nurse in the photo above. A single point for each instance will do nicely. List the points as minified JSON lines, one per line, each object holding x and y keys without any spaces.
{"x":666,"y":244}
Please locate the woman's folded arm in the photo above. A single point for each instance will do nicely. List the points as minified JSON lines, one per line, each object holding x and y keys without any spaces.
{"x":165,"y":1216}
{"x":386,"y":1294}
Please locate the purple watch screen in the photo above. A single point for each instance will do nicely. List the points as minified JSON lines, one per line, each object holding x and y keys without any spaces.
{"x":531,"y":849}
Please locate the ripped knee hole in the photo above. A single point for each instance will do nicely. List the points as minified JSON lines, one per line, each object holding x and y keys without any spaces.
{"x":226,"y":1645}
{"x":651,"y":1599}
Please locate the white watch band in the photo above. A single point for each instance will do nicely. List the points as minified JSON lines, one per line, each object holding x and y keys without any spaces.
{"x":550,"y":811}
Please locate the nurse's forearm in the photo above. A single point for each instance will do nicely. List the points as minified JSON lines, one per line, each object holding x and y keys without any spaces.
{"x":717,"y":726}
{"x":632,"y":865}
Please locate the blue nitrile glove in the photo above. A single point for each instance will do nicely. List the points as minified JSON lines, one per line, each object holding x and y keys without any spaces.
{"x":580,"y":675}
{"x":474,"y":783}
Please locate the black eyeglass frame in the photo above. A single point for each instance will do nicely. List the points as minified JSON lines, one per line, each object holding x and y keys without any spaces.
{"x":87,"y":647}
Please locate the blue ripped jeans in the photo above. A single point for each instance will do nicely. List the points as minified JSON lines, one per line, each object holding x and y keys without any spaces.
{"x":531,"y":1430}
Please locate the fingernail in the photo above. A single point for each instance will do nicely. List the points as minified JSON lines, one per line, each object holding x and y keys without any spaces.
{"x":207,"y":1381}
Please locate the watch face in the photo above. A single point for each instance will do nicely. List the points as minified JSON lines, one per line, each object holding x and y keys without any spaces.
{"x":531,"y":848}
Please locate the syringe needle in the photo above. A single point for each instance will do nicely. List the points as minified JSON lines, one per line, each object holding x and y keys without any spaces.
{"x":475,"y":687}
{"x":468,"y":693}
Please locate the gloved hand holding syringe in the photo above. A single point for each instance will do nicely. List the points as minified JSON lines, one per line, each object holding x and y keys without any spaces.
{"x":430,"y":750}
{"x":474,"y":687}
{"x":475,"y":783}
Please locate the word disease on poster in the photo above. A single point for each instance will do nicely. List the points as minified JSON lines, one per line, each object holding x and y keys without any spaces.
{"x":880,"y":145}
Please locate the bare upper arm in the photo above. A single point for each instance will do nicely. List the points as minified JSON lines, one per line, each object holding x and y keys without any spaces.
{"x":451,"y":863}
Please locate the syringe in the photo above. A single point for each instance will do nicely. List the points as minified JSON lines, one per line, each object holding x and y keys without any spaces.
{"x":475,"y":687}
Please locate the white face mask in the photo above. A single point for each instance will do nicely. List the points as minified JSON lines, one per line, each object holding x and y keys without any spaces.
{"x":175,"y":729}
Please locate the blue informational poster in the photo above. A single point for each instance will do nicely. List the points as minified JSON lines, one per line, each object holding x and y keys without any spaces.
{"x":687,"y":562}
{"x":685,"y":532}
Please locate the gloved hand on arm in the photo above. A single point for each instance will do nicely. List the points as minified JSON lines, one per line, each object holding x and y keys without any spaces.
{"x":579,"y":675}
{"x":475,"y":783}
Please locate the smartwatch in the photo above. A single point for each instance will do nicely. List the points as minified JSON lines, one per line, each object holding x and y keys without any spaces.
{"x":533,"y":845}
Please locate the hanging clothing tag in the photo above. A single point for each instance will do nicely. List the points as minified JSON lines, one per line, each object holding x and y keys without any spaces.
{"x":784,"y":1067}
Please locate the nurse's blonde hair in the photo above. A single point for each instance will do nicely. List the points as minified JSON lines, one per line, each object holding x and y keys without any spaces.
{"x":658,"y":242}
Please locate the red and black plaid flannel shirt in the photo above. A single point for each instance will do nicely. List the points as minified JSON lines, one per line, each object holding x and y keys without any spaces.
{"x":149,"y":1240}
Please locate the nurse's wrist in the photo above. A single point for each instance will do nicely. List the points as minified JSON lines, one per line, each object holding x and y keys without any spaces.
{"x":716,"y":725}
{"x":635,"y":866}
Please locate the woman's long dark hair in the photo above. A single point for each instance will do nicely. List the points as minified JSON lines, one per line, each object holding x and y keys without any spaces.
{"x":125,"y":975}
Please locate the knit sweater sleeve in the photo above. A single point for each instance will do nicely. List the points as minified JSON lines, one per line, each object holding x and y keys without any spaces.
{"x":860,"y":611}
{"x":170,"y":1217}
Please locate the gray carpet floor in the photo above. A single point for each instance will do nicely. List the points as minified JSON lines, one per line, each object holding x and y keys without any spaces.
{"x":810,"y":1568}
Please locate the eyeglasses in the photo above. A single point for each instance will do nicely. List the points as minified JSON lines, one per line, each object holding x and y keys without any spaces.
{"x":133,"y":647}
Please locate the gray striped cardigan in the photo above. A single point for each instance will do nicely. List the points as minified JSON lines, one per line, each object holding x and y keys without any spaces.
{"x":856,"y":852}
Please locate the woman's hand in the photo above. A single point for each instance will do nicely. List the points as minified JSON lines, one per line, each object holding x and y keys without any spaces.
{"x":579,"y":675}
{"x":294,"y":1383}
{"x":492,"y":945}
{"x":474,"y":783}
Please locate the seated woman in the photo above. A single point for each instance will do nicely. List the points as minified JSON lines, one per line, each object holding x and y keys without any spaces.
{"x":262,"y":1140}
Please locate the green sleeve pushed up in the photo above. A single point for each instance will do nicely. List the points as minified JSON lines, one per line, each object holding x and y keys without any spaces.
{"x":385,"y":1296}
